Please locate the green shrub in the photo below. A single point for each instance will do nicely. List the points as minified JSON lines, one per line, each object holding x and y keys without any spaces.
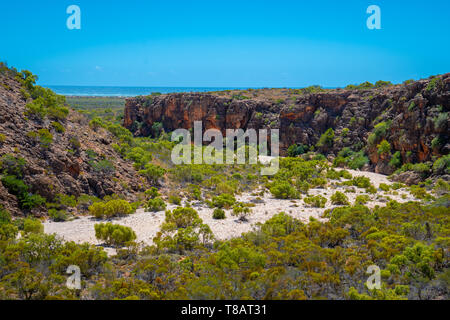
{"x":155,"y":205}
{"x":396,"y":160}
{"x":441,"y":188}
{"x":316,"y":201}
{"x":18,"y":188}
{"x":241,"y":210}
{"x":223,"y":201}
{"x":345,"y":174}
{"x":354,"y":160}
{"x":103,"y":166}
{"x":371,"y":189}
{"x":379,"y":131}
{"x":442,"y":165}
{"x":114,"y":234}
{"x":58,"y":215}
{"x":11,"y":165}
{"x":296,"y":150}
{"x":111,"y":208}
{"x":45,"y":137}
{"x":2,"y":138}
{"x":339,"y":199}
{"x":358,"y":160}
{"x":36,"y":108}
{"x":183,"y":230}
{"x":419,"y":193}
{"x":284,"y":190}
{"x":437,"y":142}
{"x":152,"y":193}
{"x":195,"y":192}
{"x":218,"y":214}
{"x":5,"y":216}
{"x":433,"y":84}
{"x":174,"y":200}
{"x":96,"y":123}
{"x":361,"y":182}
{"x":8,"y":231}
{"x":58,"y":127}
{"x":440,"y":121}
{"x":384,"y":148}
{"x":362,"y":199}
{"x":32,"y":225}
{"x":139,"y":156}
{"x":58,"y":113}
{"x":153,"y":173}
{"x":385,"y":187}
{"x":326,"y":140}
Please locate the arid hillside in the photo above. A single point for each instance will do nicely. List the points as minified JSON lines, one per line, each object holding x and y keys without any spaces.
{"x":48,"y":150}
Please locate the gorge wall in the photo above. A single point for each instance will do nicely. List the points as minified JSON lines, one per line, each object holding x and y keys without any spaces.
{"x":416,"y":113}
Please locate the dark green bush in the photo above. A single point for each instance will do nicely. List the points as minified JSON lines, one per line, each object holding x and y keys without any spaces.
{"x":316,"y":201}
{"x":156,"y":204}
{"x":218,"y":214}
{"x":284,"y":190}
{"x":339,"y":198}
{"x":114,"y":234}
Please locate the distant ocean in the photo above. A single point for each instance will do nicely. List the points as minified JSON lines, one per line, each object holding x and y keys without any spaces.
{"x":126,"y":91}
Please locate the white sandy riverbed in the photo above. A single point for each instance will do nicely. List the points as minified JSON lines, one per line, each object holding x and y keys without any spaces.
{"x":147,"y":224}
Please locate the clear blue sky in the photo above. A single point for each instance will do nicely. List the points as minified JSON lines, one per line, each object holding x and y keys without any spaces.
{"x":212,"y":43}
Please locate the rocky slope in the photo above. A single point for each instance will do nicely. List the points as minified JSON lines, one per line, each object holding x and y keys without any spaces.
{"x":411,"y":111}
{"x":77,"y":161}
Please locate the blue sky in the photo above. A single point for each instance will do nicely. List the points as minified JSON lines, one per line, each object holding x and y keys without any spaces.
{"x":226,"y":43}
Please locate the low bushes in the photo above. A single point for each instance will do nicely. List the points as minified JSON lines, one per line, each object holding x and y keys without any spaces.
{"x":155,"y":205}
{"x":114,"y":234}
{"x":218,"y":214}
{"x":223,"y":201}
{"x":316,"y":201}
{"x":111,"y":208}
{"x":153,"y":173}
{"x":241,"y":210}
{"x":362,"y":199}
{"x":339,"y":199}
{"x":284,"y":190}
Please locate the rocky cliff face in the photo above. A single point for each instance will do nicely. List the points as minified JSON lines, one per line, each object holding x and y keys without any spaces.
{"x":410,"y":110}
{"x":74,"y":163}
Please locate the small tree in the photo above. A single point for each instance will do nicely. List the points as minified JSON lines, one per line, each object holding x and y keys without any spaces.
{"x":339,"y":198}
{"x":111,"y":208}
{"x":241,"y":210}
{"x":218,"y":214}
{"x":153,"y":173}
{"x":326,"y":140}
{"x":284,"y":190}
{"x":114,"y":234}
{"x":316,"y":201}
{"x":182,"y":230}
{"x":156,"y":204}
{"x":384,"y":148}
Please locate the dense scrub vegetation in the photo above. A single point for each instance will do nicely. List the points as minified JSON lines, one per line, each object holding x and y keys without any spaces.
{"x":282,"y":259}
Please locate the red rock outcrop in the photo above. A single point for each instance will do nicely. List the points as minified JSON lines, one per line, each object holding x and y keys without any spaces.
{"x":411,"y":110}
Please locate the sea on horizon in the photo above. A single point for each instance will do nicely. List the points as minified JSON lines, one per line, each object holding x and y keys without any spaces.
{"x":129,"y":91}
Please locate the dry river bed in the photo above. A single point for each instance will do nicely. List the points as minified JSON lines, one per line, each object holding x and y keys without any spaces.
{"x":147,"y":224}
